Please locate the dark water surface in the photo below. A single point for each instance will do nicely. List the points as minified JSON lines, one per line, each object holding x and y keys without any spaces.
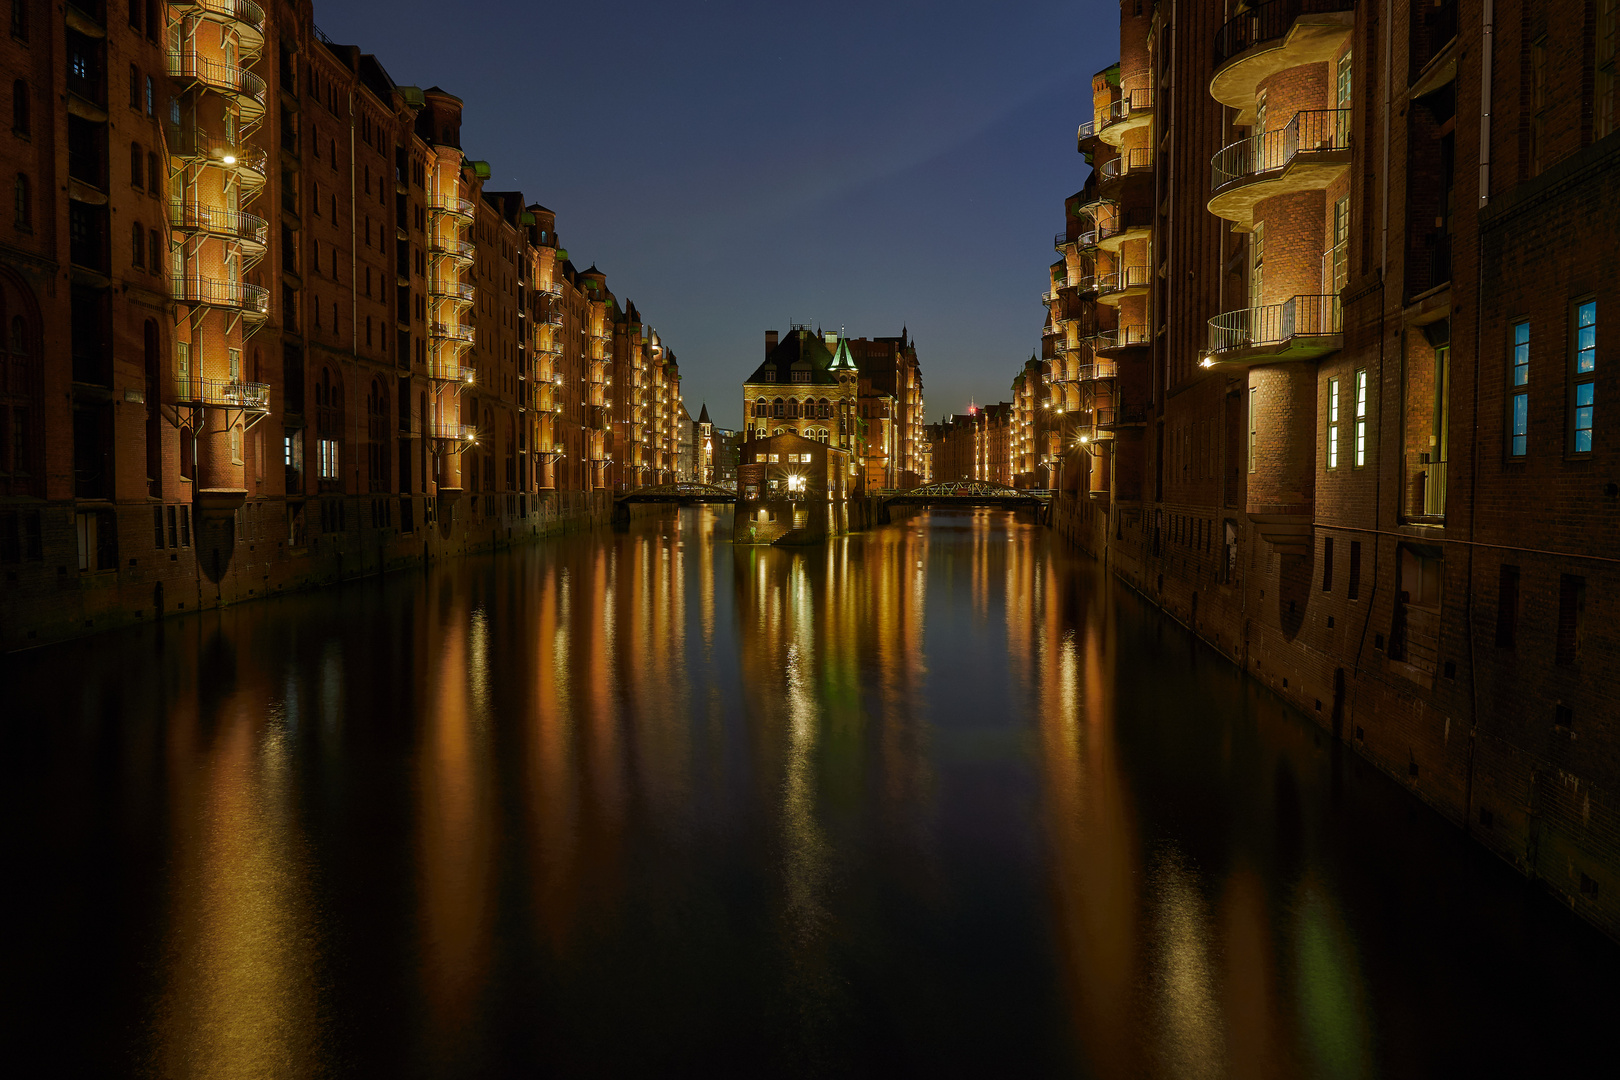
{"x":936,"y":799}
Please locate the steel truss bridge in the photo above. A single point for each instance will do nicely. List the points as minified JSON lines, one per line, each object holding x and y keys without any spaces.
{"x":685,"y":494}
{"x":967,"y":493}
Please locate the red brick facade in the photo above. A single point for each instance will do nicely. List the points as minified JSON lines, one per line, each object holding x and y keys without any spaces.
{"x":1372,"y":460}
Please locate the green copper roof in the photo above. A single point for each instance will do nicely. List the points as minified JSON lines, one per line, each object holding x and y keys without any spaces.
{"x":842,"y":359}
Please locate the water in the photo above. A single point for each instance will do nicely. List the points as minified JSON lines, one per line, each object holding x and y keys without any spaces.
{"x":935,"y":799}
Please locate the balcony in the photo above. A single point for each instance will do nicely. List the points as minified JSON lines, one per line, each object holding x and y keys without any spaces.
{"x":1132,"y":111}
{"x":460,"y":209}
{"x":450,"y":372}
{"x":222,"y":393}
{"x":237,"y":82}
{"x":452,"y":332}
{"x":1109,"y":417}
{"x":1127,"y":281}
{"x":1126,"y":337}
{"x":553,"y":317}
{"x":459,"y":250}
{"x":1102,"y":369}
{"x":1123,"y":228}
{"x":251,"y":300}
{"x":553,"y":288}
{"x":243,"y":16}
{"x":1308,"y":154}
{"x":217,"y":221}
{"x":1301,"y":328}
{"x":1273,"y":36}
{"x":1137,"y":162}
{"x":1087,"y":133}
{"x":463,"y":435}
{"x":1423,"y":492}
{"x":450,"y":290}
{"x":199,"y":146}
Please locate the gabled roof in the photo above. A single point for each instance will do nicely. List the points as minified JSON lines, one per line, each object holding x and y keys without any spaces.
{"x":703,"y":414}
{"x":800,"y":350}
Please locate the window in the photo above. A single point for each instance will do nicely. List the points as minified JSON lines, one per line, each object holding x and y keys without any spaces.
{"x":1333,"y":424}
{"x":1339,"y":256}
{"x":152,"y":174}
{"x":1507,"y":606}
{"x":1361,"y":418}
{"x":151,"y":97}
{"x":24,"y":204}
{"x":19,"y":19}
{"x":235,"y":364}
{"x":134,"y":87}
{"x":1344,"y":80}
{"x":1519,"y":402}
{"x":154,"y":251}
{"x":137,"y":165}
{"x":1254,"y":409}
{"x":236,"y":444}
{"x":1604,"y":62}
{"x":1571,"y":616}
{"x":1257,"y":263}
{"x":137,"y":246}
{"x":1585,"y":374}
{"x":21,"y":118}
{"x":135,"y":21}
{"x":1352,"y":590}
{"x":1327,"y":564}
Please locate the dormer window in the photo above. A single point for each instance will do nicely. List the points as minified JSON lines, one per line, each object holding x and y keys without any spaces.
{"x":801,"y":376}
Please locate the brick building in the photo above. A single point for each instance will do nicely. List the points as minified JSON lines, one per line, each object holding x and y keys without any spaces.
{"x":1341,"y":404}
{"x":980,"y":444}
{"x":266,"y":327}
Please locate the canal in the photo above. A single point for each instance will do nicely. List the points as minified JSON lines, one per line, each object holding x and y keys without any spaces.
{"x":934,"y":799}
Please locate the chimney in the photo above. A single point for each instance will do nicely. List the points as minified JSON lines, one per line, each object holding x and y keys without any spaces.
{"x":770,"y":343}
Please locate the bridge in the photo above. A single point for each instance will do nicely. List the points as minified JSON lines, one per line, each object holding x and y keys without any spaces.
{"x":684,"y":494}
{"x":969,"y":493}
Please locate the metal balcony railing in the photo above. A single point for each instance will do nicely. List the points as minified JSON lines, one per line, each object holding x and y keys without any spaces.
{"x":193,"y":144}
{"x":245,"y":13}
{"x":1117,"y":415}
{"x":452,"y":332}
{"x":224,"y":393}
{"x":1312,"y":131}
{"x":458,"y":433}
{"x":1138,"y":99}
{"x":231,"y":78}
{"x":1267,"y":22}
{"x":553,"y":317}
{"x":1274,"y":324}
{"x":449,"y":371}
{"x":1123,"y":338}
{"x":1128,"y":162}
{"x":454,"y":290}
{"x":251,"y":300}
{"x":1130,"y":277}
{"x":1087,"y":130}
{"x":1423,"y":494}
{"x":450,"y":204}
{"x":455,"y":249}
{"x":217,"y":221}
{"x":552,"y":288}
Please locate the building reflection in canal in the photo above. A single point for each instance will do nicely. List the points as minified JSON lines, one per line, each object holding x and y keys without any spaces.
{"x":935,"y":796}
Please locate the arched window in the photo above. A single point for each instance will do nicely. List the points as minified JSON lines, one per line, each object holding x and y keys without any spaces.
{"x":826,"y":409}
{"x":21,"y":121}
{"x":24,"y":203}
{"x":760,"y":408}
{"x":780,"y":407}
{"x":137,"y":245}
{"x":329,"y":428}
{"x":377,"y":437}
{"x":154,"y":252}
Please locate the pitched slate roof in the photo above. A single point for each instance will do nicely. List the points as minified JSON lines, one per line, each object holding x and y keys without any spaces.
{"x":801,"y":350}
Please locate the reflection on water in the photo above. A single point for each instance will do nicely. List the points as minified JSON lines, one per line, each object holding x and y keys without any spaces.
{"x":934,"y":798}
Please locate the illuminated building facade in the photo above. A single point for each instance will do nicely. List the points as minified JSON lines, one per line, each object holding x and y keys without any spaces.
{"x":266,"y":326}
{"x":791,"y":489}
{"x":1329,"y":349}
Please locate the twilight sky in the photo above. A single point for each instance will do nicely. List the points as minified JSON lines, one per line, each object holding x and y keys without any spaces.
{"x":735,"y":165}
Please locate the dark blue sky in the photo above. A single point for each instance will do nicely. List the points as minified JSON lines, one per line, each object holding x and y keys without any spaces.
{"x":732,"y":166}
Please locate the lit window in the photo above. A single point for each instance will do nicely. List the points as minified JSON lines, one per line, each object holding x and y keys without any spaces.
{"x":1519,"y":443}
{"x":1585,"y":373}
{"x":1254,"y":409}
{"x":1333,"y":424}
{"x":1361,"y":418}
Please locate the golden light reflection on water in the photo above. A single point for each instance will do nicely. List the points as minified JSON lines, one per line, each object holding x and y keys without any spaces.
{"x":632,"y":683}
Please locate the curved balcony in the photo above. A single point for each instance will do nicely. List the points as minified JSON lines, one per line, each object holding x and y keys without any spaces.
{"x":1108,"y":417}
{"x":458,"y":208}
{"x":546,"y":400}
{"x":553,"y":288}
{"x":1087,"y":284}
{"x":252,"y":301}
{"x":1308,"y":154}
{"x":459,"y":250}
{"x":1137,"y":162}
{"x":1102,"y":369}
{"x":222,"y":393}
{"x":1086,"y":133}
{"x":452,"y":332}
{"x":217,"y":221}
{"x":246,"y":88}
{"x":449,"y":372}
{"x":1111,"y":343}
{"x":444,"y":289}
{"x":1126,"y":281}
{"x":1131,"y":112}
{"x":1272,"y":37}
{"x":553,"y":317}
{"x":1052,"y":294}
{"x":203,"y":148}
{"x":243,"y":16}
{"x":1299,"y":328}
{"x":461,"y":434}
{"x":1122,"y":231}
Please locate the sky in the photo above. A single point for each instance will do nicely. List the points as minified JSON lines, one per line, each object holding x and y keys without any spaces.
{"x":736,"y":166}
